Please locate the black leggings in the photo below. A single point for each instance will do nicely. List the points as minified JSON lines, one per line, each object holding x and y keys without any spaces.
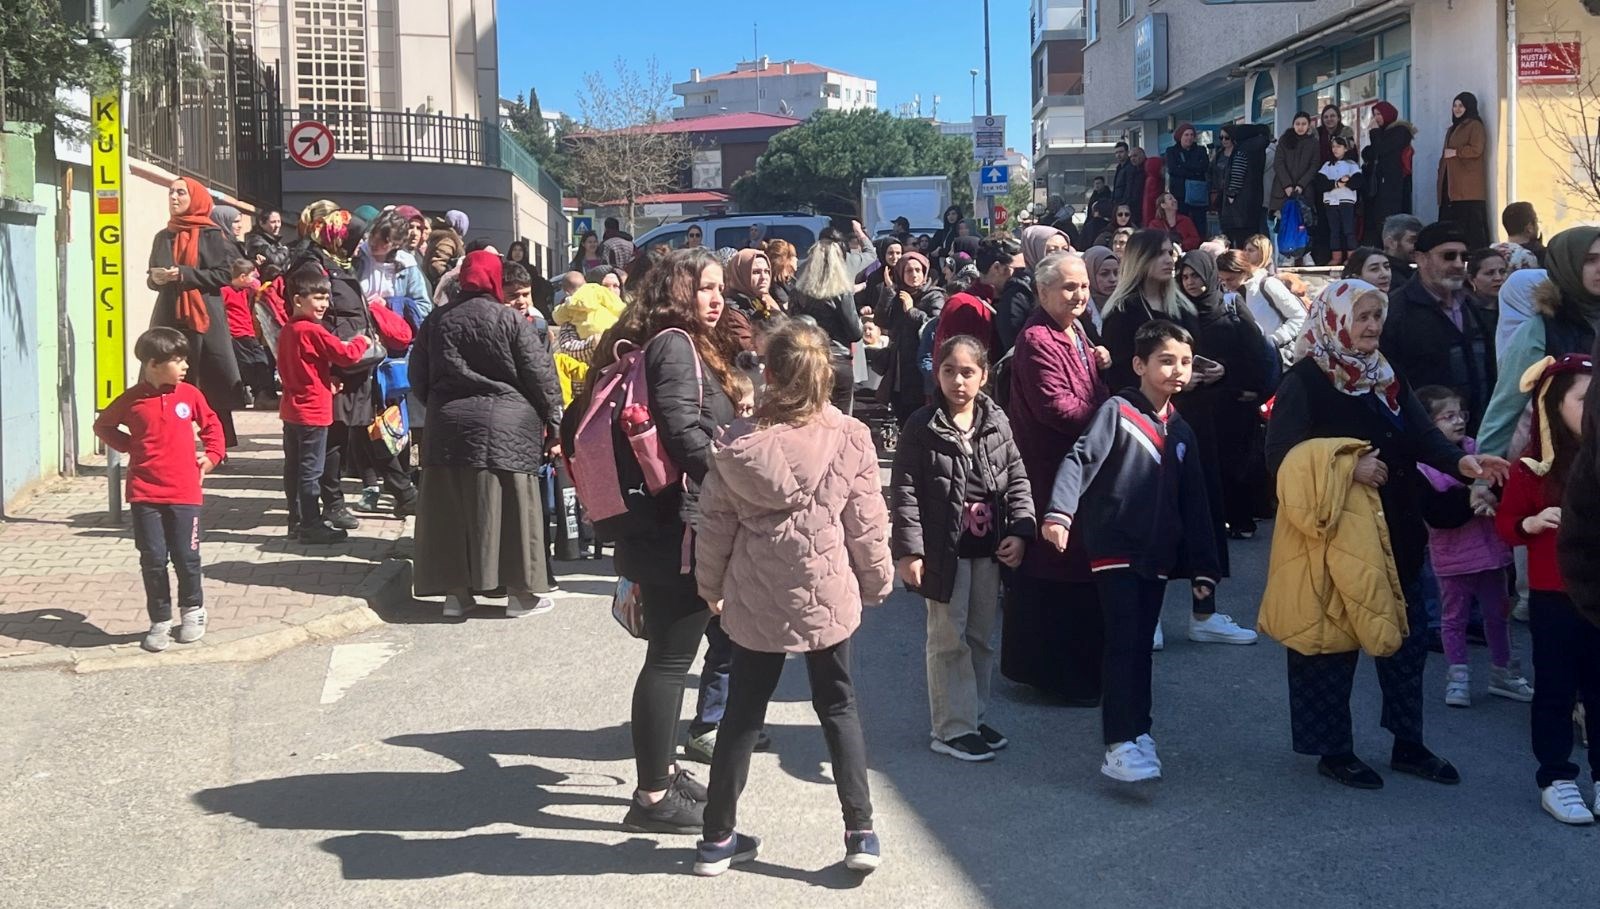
{"x":750,"y":686}
{"x":674,"y":620}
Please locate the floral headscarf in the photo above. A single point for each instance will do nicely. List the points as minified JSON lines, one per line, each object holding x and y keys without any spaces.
{"x":331,"y":231}
{"x":1327,"y":341}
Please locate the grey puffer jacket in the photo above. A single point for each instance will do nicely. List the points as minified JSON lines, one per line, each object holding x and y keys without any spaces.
{"x":490,"y":388}
{"x":928,"y":489}
{"x":793,"y":533}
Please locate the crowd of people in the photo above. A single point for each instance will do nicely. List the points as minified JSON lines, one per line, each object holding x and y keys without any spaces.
{"x":1068,"y":432}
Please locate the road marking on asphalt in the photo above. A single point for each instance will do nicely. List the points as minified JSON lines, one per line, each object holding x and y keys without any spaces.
{"x":350,"y":663}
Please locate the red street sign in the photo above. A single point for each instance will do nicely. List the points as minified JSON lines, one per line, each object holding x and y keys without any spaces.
{"x":1549,"y":62}
{"x":311,"y":143}
{"x":1000,"y":214}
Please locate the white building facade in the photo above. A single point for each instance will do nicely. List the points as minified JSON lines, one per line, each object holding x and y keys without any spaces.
{"x":789,"y":88}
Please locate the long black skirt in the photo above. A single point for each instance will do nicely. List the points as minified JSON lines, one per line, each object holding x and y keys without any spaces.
{"x":1053,"y":639}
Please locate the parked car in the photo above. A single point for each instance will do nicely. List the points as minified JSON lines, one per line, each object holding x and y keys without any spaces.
{"x":733,"y":230}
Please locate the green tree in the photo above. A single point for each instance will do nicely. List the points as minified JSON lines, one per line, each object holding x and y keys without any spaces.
{"x":819,"y":165}
{"x":40,"y":52}
{"x":524,"y":120}
{"x":1019,"y":195}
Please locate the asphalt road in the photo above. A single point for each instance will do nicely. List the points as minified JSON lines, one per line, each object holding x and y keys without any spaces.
{"x":486,"y":762}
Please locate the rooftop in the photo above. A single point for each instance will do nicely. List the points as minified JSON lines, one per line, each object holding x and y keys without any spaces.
{"x":719,"y":122}
{"x":749,"y":69}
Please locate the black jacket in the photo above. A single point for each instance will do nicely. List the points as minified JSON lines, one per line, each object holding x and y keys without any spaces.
{"x":346,"y":317}
{"x":928,"y":489}
{"x":1134,"y":490}
{"x":1122,"y":185}
{"x":1309,"y":407}
{"x":1183,"y":165}
{"x":1578,"y":540}
{"x":688,"y":417}
{"x":1244,"y":193}
{"x":489,"y":386}
{"x":216,"y":371}
{"x":904,"y":329}
{"x":1420,"y":340}
{"x":838,"y":317}
{"x":1012,"y":307}
{"x":1117,"y":330}
{"x":1385,"y":164}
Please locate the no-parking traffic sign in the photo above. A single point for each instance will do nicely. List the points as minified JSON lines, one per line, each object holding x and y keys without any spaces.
{"x":311,"y":143}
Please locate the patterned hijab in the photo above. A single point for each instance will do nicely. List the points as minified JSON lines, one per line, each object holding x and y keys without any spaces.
{"x":1327,"y":342}
{"x":330,"y":231}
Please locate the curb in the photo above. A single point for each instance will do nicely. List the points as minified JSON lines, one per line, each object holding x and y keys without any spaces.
{"x":387,"y":586}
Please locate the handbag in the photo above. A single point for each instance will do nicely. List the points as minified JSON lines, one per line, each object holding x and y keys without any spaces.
{"x":627,"y":607}
{"x":375,"y":352}
{"x":391,"y":428}
{"x":1196,"y":193}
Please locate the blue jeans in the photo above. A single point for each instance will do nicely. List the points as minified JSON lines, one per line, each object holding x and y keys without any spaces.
{"x":713,"y":698}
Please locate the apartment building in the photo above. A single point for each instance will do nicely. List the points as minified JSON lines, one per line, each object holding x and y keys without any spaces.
{"x":1067,"y":156}
{"x":788,"y":88}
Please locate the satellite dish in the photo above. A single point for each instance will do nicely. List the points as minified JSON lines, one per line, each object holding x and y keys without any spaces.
{"x":785,"y":109}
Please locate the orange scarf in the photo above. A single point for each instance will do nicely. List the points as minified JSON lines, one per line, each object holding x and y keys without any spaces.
{"x":186,"y":228}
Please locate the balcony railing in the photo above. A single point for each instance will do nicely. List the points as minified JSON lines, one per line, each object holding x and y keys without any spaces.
{"x":381,"y":135}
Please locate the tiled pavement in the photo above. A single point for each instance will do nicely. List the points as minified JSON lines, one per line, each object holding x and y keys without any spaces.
{"x":69,"y":574}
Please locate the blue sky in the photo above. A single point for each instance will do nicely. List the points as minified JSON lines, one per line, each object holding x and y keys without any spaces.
{"x":924,"y":49}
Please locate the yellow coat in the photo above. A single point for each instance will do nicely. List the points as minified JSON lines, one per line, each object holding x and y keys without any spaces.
{"x":1331,"y":584}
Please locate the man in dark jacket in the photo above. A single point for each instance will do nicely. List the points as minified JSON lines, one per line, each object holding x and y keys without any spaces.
{"x":1433,"y":334}
{"x":1121,"y":177}
{"x":1399,"y":247}
{"x":1129,"y":189}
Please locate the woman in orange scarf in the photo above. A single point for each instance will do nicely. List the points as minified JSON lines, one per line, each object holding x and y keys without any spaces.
{"x":190,"y":263}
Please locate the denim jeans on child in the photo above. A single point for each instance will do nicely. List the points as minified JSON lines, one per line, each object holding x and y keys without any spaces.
{"x":1456,"y":595}
{"x":713,"y":699}
{"x":162,"y":533}
{"x":304,"y":452}
{"x":960,"y":649}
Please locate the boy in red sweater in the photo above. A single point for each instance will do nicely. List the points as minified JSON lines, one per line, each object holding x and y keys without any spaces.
{"x":162,"y":413}
{"x":255,"y":367}
{"x":1566,"y":647}
{"x":307,"y":352}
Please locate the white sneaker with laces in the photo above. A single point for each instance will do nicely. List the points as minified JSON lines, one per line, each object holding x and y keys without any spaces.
{"x":1219,"y":629}
{"x":1160,"y":640}
{"x":1563,"y":801}
{"x":1148,"y":746}
{"x":517,"y":605}
{"x":1128,"y":763}
{"x":1458,"y":686}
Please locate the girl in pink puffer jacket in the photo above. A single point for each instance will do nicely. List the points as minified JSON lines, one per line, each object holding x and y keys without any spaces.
{"x":793,"y":539}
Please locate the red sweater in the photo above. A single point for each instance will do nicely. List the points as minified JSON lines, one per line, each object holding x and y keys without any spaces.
{"x":236,"y":303}
{"x":159,"y":442}
{"x":307,"y":352}
{"x":1184,"y":231}
{"x":1524,"y":498}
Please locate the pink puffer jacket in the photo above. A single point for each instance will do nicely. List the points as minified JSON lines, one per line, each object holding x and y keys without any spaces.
{"x":794,"y":533}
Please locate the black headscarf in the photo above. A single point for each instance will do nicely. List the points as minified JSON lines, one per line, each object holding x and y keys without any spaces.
{"x":1470,"y":102}
{"x":1209,"y":304}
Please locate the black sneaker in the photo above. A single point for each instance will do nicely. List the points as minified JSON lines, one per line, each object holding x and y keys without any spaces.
{"x":322,"y":535}
{"x":685,"y":782}
{"x":340,"y":517}
{"x":711,"y":859}
{"x":992,"y":737}
{"x":970,"y":747}
{"x":861,"y":851}
{"x":675,"y":813}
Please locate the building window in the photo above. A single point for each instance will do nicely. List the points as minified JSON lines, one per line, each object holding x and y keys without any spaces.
{"x":330,"y":52}
{"x":706,"y":172}
{"x":1124,"y":10}
{"x":1092,"y":14}
{"x":1358,"y":74}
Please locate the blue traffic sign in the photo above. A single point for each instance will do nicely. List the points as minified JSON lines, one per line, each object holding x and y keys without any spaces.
{"x":581,"y":226}
{"x":994,"y":180}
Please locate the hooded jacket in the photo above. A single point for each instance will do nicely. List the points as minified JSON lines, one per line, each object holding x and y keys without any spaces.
{"x":1332,"y":586}
{"x":1295,"y":164}
{"x":928,"y":489}
{"x":793,"y":533}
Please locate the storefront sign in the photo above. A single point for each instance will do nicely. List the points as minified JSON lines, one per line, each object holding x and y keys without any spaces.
{"x":1549,"y":62}
{"x":110,"y":353}
{"x":1150,"y":56}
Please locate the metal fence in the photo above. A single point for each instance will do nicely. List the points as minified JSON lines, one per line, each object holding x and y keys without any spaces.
{"x":214,"y":116}
{"x":22,"y":100}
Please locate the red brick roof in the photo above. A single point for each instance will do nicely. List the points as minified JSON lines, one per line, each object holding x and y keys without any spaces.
{"x":719,"y":122}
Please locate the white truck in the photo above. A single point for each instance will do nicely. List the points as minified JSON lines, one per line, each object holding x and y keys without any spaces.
{"x":920,"y":200}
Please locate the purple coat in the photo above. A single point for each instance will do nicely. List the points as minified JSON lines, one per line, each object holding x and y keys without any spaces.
{"x":1055,"y":390}
{"x":1470,"y":548}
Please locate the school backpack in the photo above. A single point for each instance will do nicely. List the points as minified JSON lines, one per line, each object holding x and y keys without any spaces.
{"x":410,"y":310}
{"x":624,"y":462}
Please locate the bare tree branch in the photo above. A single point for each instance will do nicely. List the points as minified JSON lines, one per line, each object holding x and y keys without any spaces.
{"x":1566,"y":121}
{"x":619,"y":152}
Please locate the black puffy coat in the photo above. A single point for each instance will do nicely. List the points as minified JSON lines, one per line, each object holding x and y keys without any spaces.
{"x":346,"y":317}
{"x":490,"y":387}
{"x":1386,"y":166}
{"x":928,"y":489}
{"x":904,"y":328}
{"x":1012,"y":307}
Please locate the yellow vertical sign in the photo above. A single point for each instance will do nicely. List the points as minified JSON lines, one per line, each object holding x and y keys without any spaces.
{"x":110,"y":346}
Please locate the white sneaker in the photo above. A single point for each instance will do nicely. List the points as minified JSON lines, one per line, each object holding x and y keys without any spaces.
{"x":1458,"y":686}
{"x":1563,"y":801}
{"x":1219,"y":629}
{"x":1128,"y":763}
{"x":1509,"y":683}
{"x":1160,"y":641}
{"x":517,"y":606}
{"x":1520,"y":611}
{"x":1148,"y":746}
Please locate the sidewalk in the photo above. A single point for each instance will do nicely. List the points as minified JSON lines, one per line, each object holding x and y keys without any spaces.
{"x":71,"y":593}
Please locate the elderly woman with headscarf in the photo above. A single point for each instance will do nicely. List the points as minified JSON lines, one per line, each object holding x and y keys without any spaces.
{"x":1015,"y":301}
{"x":1565,"y":317}
{"x":1051,"y":636}
{"x":493,"y":407}
{"x":916,"y":301}
{"x":190,"y":262}
{"x":1463,"y":171}
{"x":1347,"y":434}
{"x":824,"y":292}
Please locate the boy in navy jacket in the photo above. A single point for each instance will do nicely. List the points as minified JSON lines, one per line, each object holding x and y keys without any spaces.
{"x":1134,"y":487}
{"x":162,"y":414}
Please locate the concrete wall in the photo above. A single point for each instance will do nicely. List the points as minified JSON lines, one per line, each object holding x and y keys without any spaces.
{"x":1452,"y":51}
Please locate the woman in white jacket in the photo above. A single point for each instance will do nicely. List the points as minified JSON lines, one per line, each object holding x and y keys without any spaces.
{"x":1279,"y":313}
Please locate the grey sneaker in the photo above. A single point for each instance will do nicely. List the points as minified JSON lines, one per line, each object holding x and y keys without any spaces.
{"x":1458,"y":686}
{"x":368,"y":502}
{"x":517,"y":605}
{"x":158,"y":637}
{"x":193,"y":625}
{"x":700,"y":747}
{"x":1508,"y":683}
{"x":1520,"y":611}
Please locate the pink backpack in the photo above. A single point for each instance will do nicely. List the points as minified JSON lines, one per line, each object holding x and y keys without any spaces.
{"x":624,"y":462}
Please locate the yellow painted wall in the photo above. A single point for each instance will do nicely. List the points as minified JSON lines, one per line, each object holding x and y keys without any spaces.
{"x":1544,"y":111}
